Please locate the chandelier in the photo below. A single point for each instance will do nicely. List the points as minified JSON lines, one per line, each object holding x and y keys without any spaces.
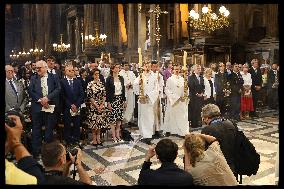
{"x":62,"y":47}
{"x":209,"y":21}
{"x":14,"y":56}
{"x":36,"y":52}
{"x":96,"y":40}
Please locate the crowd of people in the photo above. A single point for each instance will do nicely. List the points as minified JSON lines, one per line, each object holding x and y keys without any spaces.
{"x":108,"y":96}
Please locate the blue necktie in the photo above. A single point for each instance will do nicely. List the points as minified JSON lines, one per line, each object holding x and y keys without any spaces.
{"x":71,"y":84}
{"x":14,"y":89}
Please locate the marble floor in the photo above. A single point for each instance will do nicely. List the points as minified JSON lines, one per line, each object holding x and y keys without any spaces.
{"x":120,"y":163}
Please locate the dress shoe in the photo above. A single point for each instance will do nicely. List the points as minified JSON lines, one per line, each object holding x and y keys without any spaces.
{"x":147,"y":141}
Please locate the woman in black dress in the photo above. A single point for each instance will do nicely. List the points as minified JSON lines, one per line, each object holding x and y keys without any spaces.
{"x":96,"y":114}
{"x":116,"y":101}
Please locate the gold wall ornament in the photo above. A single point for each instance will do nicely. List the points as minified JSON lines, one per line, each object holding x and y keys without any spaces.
{"x":209,"y":21}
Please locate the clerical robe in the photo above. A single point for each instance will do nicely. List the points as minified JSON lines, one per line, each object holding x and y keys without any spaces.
{"x":158,"y":114}
{"x":176,"y":116}
{"x":146,"y":111}
{"x":129,"y":78}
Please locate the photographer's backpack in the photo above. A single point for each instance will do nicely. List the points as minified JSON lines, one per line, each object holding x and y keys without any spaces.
{"x":247,"y":160}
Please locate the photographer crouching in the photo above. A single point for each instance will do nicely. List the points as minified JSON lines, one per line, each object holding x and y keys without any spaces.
{"x":27,"y":171}
{"x":57,"y":162}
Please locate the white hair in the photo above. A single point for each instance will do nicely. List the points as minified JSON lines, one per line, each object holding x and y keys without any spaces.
{"x":8,"y":66}
{"x":44,"y":64}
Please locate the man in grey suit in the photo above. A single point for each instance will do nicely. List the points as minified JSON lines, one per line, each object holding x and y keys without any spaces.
{"x":14,"y":91}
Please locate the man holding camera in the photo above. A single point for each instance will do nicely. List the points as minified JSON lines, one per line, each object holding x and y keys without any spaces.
{"x":27,"y":171}
{"x":57,"y":162}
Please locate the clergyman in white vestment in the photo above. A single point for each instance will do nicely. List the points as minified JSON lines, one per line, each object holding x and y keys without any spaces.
{"x":176,"y":116}
{"x":146,"y":110}
{"x":129,"y":78}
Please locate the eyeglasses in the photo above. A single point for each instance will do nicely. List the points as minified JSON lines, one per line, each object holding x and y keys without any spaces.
{"x":38,"y":67}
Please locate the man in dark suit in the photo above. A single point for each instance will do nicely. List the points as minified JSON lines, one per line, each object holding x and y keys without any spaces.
{"x":256,"y":78}
{"x":169,"y":174}
{"x":236,"y":83}
{"x":44,"y":91}
{"x":272,"y":86}
{"x":50,"y":60}
{"x":73,"y":94}
{"x":196,"y":90}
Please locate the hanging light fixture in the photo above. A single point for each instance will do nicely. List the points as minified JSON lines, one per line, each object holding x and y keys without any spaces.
{"x":96,"y":40}
{"x":208,"y":20}
{"x":36,"y":52}
{"x":62,"y":47}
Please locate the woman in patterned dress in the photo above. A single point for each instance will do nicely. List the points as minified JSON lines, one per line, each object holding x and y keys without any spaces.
{"x":116,"y":101}
{"x":96,"y":114}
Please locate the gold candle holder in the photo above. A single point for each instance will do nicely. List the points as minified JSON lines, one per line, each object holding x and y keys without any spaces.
{"x":185,"y":86}
{"x":142,"y":97}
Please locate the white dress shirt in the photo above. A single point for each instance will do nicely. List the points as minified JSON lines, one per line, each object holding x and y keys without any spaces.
{"x":207,"y":91}
{"x":246,"y":78}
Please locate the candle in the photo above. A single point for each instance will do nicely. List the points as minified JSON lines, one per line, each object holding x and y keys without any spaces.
{"x":102,"y":56}
{"x":109,"y":57}
{"x":139,"y":57}
{"x":184,"y":59}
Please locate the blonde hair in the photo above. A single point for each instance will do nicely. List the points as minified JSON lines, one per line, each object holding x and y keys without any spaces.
{"x":195,"y":147}
{"x":207,"y":71}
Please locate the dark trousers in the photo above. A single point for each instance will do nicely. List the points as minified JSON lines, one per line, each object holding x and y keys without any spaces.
{"x":272,"y":95}
{"x":255,"y":97}
{"x":40,"y":119}
{"x":136,"y":107}
{"x":235,"y":107}
{"x":194,"y":111}
{"x":209,"y":101}
{"x":220,"y":102}
{"x":71,"y":134}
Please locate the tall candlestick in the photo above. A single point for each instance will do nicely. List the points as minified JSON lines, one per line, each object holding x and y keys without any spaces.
{"x":139,"y":57}
{"x":184,"y":59}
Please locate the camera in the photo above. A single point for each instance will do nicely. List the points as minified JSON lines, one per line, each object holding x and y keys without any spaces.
{"x":16,"y":112}
{"x":73,"y":152}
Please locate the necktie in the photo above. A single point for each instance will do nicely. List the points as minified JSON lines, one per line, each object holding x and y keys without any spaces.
{"x":71,"y":84}
{"x":211,"y":86}
{"x":14,"y":89}
{"x":43,"y":86}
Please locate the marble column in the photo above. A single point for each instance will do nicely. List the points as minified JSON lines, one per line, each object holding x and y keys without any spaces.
{"x":26,"y":34}
{"x":272,"y":20}
{"x":141,"y":30}
{"x":153,"y":43}
{"x":130,"y":27}
{"x":77,"y":36}
{"x":177,"y":24}
{"x":39,"y":26}
{"x":47,"y":27}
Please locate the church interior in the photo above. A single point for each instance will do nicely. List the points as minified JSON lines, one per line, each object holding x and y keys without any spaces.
{"x":136,"y":33}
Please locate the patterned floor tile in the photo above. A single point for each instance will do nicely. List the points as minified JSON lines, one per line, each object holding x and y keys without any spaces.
{"x":120,"y":163}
